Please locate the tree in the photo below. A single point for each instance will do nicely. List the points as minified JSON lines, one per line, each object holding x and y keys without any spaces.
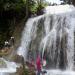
{"x":9,"y":9}
{"x":40,"y":5}
{"x":12,"y":11}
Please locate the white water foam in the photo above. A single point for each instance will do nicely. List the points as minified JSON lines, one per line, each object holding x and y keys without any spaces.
{"x":11,"y":67}
{"x":59,"y":9}
{"x":60,"y":72}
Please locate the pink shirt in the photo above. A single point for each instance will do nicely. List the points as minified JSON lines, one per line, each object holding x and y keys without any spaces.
{"x":38,"y":63}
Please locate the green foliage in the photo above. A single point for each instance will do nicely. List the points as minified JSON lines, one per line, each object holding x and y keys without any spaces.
{"x":32,"y":6}
{"x":16,"y":9}
{"x":38,"y":6}
{"x":11,"y":4}
{"x":9,"y":9}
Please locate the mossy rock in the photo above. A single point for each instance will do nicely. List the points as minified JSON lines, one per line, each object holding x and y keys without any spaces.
{"x":3,"y":64}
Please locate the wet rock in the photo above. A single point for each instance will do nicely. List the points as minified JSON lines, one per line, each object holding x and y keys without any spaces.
{"x":2,"y":64}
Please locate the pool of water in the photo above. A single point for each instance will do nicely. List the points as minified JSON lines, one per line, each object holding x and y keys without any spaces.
{"x":59,"y":72}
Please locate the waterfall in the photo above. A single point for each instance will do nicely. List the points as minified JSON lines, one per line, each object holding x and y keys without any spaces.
{"x":28,"y":34}
{"x":52,"y":35}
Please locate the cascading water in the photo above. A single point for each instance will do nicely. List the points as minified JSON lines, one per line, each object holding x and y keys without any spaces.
{"x":52,"y":35}
{"x":6,"y":67}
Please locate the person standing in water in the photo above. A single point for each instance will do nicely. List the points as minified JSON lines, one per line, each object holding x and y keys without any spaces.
{"x":38,"y":65}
